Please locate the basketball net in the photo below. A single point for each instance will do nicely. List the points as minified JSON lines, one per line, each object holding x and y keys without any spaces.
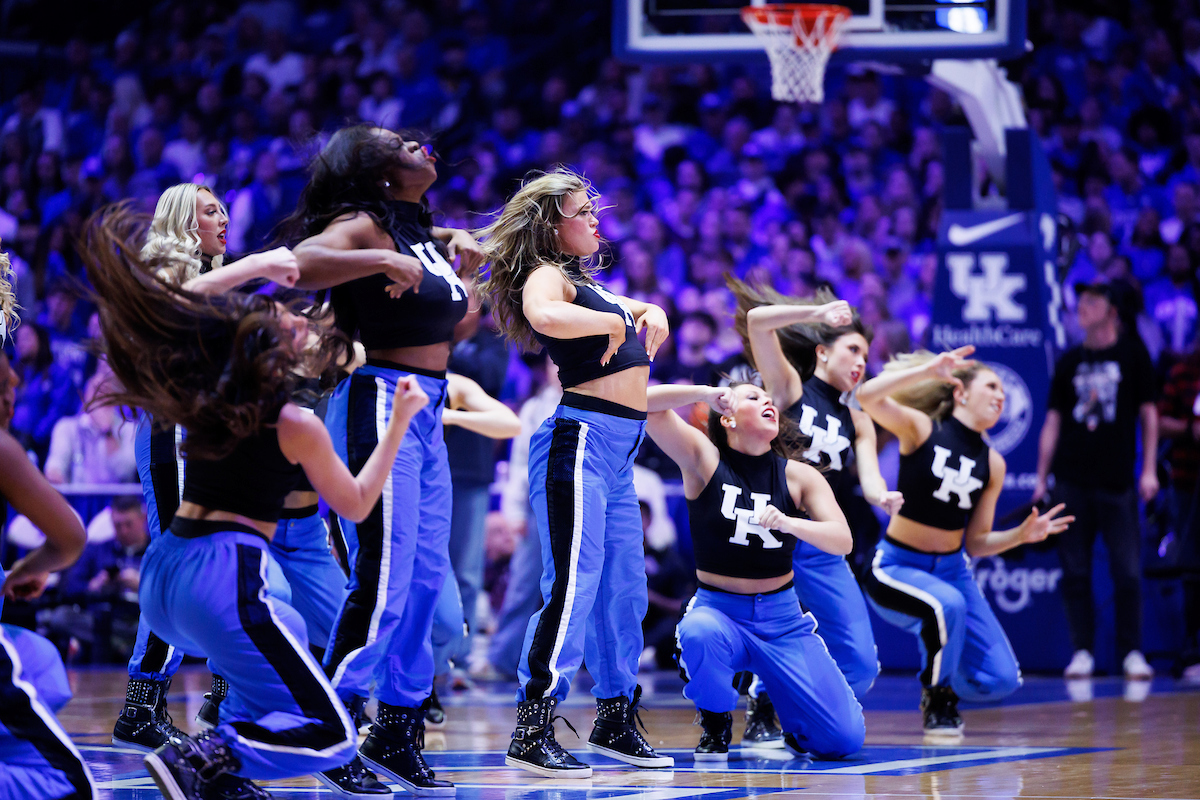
{"x":799,"y":39}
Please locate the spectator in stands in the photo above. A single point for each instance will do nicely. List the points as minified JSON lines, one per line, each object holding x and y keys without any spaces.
{"x":46,"y":393}
{"x":96,"y":445}
{"x":111,"y":567}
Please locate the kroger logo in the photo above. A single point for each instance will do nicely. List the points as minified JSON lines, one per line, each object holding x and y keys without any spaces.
{"x":989,"y":293}
{"x":1017,"y":415}
{"x":1013,"y":588}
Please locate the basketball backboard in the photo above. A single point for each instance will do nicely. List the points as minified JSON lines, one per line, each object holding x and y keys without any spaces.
{"x":675,"y":31}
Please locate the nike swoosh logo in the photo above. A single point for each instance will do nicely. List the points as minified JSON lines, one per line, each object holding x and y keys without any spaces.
{"x":960,"y":236}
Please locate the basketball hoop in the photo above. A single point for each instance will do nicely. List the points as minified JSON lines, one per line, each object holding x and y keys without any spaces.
{"x":799,"y":39}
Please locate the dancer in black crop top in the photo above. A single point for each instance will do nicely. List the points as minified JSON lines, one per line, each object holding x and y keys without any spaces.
{"x":206,"y":584}
{"x":368,"y":235}
{"x":581,"y":467}
{"x":939,"y":407}
{"x":811,"y":356}
{"x":748,"y":505}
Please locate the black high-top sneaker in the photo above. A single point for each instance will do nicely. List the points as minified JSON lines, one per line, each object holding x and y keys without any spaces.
{"x":762,"y":728}
{"x":716,"y":733}
{"x":187,"y":768}
{"x":393,"y":747}
{"x":793,"y":746}
{"x":353,"y":780}
{"x":534,"y":747}
{"x":209,"y":714}
{"x":435,"y":715}
{"x":939,"y":706}
{"x":144,"y":724}
{"x":616,"y":734}
{"x":228,"y":786}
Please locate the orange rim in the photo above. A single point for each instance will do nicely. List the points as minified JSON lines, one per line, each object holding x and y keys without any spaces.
{"x":784,"y":13}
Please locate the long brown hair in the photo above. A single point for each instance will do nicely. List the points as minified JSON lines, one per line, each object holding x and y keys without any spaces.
{"x":933,"y":397}
{"x":220,"y":366}
{"x":799,"y":342}
{"x":521,"y":239}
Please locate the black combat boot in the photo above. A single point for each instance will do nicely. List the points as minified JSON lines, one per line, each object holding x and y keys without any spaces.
{"x":716,"y":733}
{"x":534,"y":747}
{"x":209,"y":714}
{"x":939,"y":706}
{"x":762,"y":728}
{"x":144,"y":723}
{"x":228,"y":786}
{"x":187,"y":768}
{"x":393,"y":747}
{"x":616,"y":734}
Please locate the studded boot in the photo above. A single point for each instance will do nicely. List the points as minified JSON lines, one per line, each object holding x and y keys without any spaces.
{"x":144,"y":724}
{"x":939,"y":707}
{"x":187,"y":768}
{"x":209,"y":714}
{"x":616,"y":734}
{"x":762,"y":728}
{"x":716,"y":733}
{"x":228,"y":786}
{"x":393,"y":747}
{"x":534,"y":747}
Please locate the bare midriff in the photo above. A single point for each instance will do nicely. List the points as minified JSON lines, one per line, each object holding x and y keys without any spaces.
{"x":190,"y":510}
{"x":430,"y":357}
{"x":925,"y":538}
{"x":743,"y":585}
{"x":300,"y":500}
{"x":626,"y":388}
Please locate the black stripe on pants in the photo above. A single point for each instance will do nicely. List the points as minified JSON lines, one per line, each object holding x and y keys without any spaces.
{"x":156,"y":656}
{"x":297,"y":676}
{"x":560,"y":513}
{"x":895,"y":600}
{"x":354,"y":621}
{"x":18,"y":715}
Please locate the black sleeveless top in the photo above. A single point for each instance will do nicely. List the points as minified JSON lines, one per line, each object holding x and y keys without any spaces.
{"x":578,"y":360}
{"x":725,"y":541}
{"x":252,"y":481}
{"x":308,"y":397}
{"x":824,"y":418}
{"x":943,"y":478}
{"x":365,"y":311}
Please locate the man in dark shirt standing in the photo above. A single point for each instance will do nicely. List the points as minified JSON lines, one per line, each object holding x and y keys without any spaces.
{"x":1100,"y":392}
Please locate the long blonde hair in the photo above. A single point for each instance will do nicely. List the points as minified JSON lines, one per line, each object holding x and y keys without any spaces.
{"x":8,"y":299}
{"x":522,"y":239}
{"x":173,"y":239}
{"x":933,"y":397}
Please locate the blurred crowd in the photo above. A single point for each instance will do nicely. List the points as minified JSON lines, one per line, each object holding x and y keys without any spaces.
{"x":701,"y":174}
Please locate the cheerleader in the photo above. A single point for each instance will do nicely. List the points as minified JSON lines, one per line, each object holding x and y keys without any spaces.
{"x":39,"y":760}
{"x":811,"y":356}
{"x":224,"y":368}
{"x":581,"y":469}
{"x":749,"y":506}
{"x":940,"y":407}
{"x":187,"y":239}
{"x":371,"y":241}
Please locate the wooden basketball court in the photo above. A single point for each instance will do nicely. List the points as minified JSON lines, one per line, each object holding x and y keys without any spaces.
{"x":1101,"y":738}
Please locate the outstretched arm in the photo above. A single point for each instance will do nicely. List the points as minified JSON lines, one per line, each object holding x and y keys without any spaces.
{"x":353,"y":247}
{"x":278,"y":266}
{"x":910,"y":426}
{"x":780,"y":378}
{"x":695,"y":454}
{"x":475,"y":410}
{"x":980,"y":540}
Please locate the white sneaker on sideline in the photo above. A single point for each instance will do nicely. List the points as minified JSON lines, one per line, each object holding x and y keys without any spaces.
{"x":1082,"y":665}
{"x":1136,"y":668}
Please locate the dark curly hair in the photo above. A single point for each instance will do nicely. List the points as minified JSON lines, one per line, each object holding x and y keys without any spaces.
{"x":220,"y":366}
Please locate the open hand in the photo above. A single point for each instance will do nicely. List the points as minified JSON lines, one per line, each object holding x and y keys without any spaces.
{"x":654,"y":320}
{"x":471,"y":256}
{"x":945,"y":364}
{"x":1037,"y":527}
{"x":405,"y":272}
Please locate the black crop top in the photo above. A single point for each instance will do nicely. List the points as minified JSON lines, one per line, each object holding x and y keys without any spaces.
{"x":943,"y":478}
{"x":578,"y":360}
{"x":308,"y":397}
{"x":252,"y":481}
{"x":365,"y":311}
{"x":724,"y":539}
{"x":824,"y":418}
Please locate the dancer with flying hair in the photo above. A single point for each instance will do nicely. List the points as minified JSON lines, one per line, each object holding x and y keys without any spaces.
{"x":940,"y":407}
{"x":225,"y":367}
{"x":541,"y":247}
